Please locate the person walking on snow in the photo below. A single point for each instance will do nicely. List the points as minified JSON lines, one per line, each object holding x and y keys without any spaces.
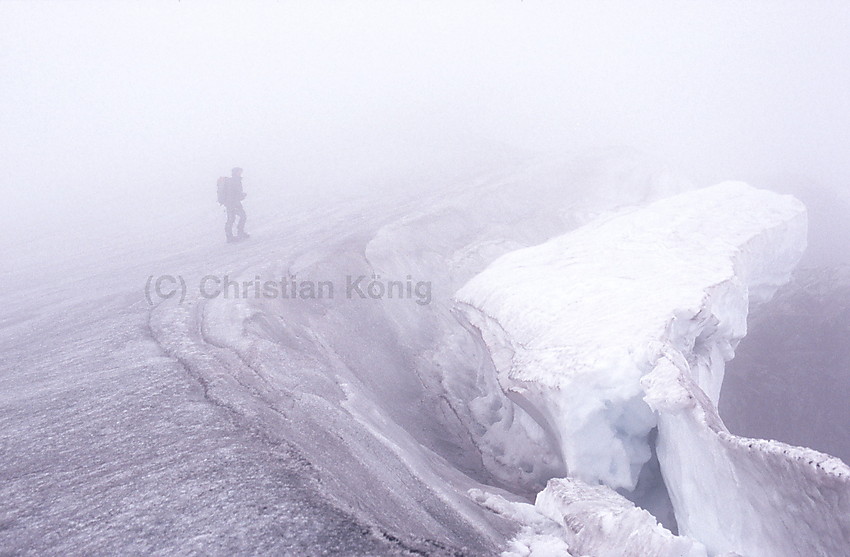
{"x":231,"y":196}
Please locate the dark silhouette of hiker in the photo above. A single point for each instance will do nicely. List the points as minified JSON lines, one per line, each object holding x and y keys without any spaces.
{"x":231,"y":197}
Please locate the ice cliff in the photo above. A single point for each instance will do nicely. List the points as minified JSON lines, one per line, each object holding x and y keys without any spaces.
{"x":623,"y":326}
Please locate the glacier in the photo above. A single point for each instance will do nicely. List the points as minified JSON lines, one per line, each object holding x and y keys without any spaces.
{"x":364,"y":426}
{"x":623,"y":326}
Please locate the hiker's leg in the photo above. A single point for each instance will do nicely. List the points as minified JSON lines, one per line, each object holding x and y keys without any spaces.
{"x":240,"y":226}
{"x":228,"y":226}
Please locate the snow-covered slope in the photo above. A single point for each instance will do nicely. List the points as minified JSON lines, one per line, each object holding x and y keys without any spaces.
{"x":649,"y":305}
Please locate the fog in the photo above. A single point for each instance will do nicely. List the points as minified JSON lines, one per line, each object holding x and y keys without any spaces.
{"x":443,"y":144}
{"x":117,"y":115}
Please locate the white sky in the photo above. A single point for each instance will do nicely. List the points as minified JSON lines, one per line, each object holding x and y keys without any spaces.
{"x":143,"y":104}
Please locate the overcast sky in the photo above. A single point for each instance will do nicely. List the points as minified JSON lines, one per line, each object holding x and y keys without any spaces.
{"x":143,"y":104}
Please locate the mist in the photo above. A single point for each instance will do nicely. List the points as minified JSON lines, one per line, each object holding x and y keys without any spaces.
{"x":533,"y":278}
{"x":118,"y":114}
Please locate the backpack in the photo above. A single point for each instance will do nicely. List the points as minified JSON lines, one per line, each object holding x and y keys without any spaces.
{"x":221,"y":186}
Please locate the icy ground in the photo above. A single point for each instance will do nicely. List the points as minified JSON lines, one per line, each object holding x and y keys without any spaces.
{"x":301,"y":426}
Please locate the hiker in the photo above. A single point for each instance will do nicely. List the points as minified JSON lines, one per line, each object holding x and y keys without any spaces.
{"x":230,"y":195}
